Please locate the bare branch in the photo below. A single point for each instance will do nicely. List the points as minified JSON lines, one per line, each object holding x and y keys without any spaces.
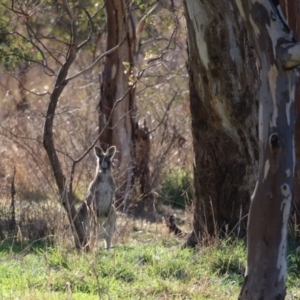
{"x":160,"y":5}
{"x":150,"y":42}
{"x":16,"y":11}
{"x":23,"y":87}
{"x":60,"y":84}
{"x":91,"y":23}
{"x":20,"y":137}
{"x":95,"y":62}
{"x":44,"y":61}
{"x":31,"y":31}
{"x":166,"y":112}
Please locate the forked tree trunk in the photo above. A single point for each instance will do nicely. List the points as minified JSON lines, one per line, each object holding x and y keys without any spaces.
{"x":64,"y":189}
{"x":270,"y":206}
{"x":118,"y":121}
{"x":65,"y":193}
{"x":223,"y":92}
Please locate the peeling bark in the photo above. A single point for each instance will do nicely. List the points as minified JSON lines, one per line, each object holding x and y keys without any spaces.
{"x":223,"y":92}
{"x":271,"y":200}
{"x":291,"y":10}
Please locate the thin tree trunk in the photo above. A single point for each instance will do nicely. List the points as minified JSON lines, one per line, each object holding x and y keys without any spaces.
{"x":270,"y":206}
{"x":48,"y":140}
{"x":142,"y":170}
{"x":65,"y":193}
{"x":12,"y":223}
{"x":223,"y":92}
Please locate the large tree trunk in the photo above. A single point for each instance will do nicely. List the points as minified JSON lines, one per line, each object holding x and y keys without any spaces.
{"x":223,"y":93}
{"x":117,"y":106}
{"x":291,"y":9}
{"x":270,"y":206}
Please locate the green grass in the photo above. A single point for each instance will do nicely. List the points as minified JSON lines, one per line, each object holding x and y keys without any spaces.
{"x":176,"y":188}
{"x":156,"y":269}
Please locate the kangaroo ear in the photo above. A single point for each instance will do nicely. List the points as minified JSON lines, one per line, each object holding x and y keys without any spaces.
{"x":98,"y":151}
{"x":111,"y":152}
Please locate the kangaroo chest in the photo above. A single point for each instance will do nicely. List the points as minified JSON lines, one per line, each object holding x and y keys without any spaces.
{"x":104,"y":193}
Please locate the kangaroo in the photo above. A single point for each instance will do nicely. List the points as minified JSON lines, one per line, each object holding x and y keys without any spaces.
{"x":97,"y":212}
{"x":171,"y":224}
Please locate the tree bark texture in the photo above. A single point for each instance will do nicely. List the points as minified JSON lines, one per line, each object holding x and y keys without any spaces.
{"x":223,"y":92}
{"x":291,"y":10}
{"x":270,"y":203}
{"x":117,"y":106}
{"x":142,"y":170}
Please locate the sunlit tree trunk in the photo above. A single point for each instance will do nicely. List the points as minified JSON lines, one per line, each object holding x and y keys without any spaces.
{"x":223,"y":93}
{"x":117,"y":107}
{"x":118,"y":120}
{"x":278,"y":55}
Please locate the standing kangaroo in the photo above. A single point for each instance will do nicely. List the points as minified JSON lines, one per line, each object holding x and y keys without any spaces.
{"x":97,"y":212}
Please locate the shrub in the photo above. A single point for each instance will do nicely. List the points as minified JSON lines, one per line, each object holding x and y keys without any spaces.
{"x":176,"y":188}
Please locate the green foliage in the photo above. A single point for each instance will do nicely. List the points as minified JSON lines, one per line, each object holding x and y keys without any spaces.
{"x":38,"y":32}
{"x":293,"y":255}
{"x":293,"y":267}
{"x":177,"y":188}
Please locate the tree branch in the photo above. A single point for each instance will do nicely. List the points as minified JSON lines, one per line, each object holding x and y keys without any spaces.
{"x":94,"y":63}
{"x":160,"y":5}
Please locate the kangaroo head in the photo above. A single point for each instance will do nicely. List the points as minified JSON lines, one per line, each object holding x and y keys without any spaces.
{"x":105,"y":158}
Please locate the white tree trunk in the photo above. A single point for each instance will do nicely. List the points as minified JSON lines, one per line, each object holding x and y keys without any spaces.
{"x":291,"y":9}
{"x":278,"y":54}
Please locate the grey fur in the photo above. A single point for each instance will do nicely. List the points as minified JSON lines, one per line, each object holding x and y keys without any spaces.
{"x":97,"y":211}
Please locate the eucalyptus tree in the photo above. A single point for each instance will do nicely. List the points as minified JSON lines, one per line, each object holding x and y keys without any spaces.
{"x":117,"y":107}
{"x":223,"y":101}
{"x":291,"y":9}
{"x":241,"y":53}
{"x":278,"y":54}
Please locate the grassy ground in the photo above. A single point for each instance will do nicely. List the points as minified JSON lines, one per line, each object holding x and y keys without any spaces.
{"x":151,"y":265}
